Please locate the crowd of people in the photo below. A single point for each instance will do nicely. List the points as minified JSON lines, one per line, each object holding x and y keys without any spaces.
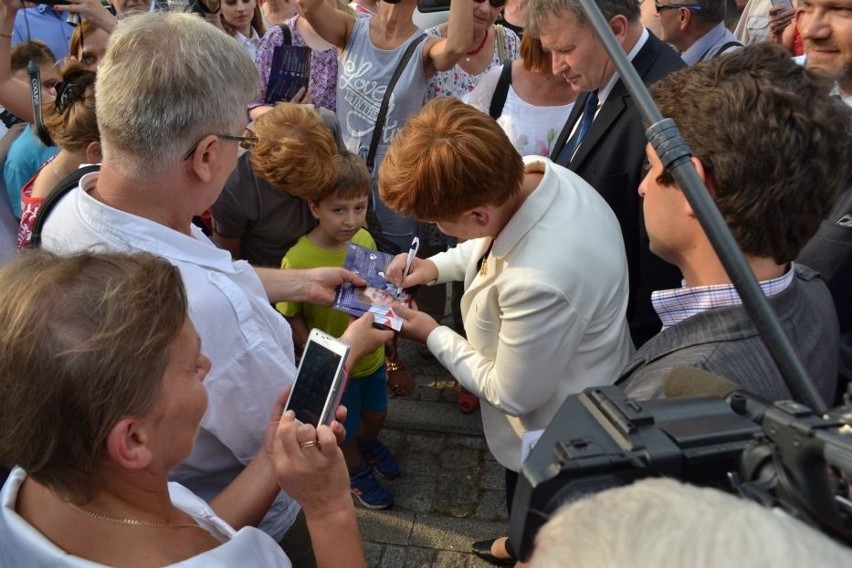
{"x":155,"y":304}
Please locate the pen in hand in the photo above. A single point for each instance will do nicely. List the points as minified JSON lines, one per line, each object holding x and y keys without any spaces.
{"x":412,"y":252}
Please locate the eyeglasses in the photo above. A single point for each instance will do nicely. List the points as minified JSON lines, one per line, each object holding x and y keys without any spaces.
{"x":247,"y":140}
{"x":661,"y":7}
{"x":494,"y":3}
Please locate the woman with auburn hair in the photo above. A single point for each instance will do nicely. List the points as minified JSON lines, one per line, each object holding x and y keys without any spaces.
{"x":528,"y":101}
{"x":544,"y":272}
{"x":101,"y":376}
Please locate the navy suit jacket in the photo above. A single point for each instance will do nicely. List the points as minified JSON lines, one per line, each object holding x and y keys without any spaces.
{"x":611,"y":159}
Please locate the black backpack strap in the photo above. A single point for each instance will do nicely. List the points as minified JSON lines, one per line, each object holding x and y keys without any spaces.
{"x":383,"y":109}
{"x":498,"y":99}
{"x":59,"y":191}
{"x":725,"y":47}
{"x":285,"y":31}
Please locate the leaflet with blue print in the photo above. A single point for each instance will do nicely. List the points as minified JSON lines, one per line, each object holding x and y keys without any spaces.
{"x":379,"y":294}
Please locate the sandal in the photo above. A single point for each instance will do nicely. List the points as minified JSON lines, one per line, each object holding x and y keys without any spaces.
{"x":400,"y":381}
{"x":468,"y":402}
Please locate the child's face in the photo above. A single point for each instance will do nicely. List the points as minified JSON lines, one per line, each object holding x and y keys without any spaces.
{"x":339,"y":219}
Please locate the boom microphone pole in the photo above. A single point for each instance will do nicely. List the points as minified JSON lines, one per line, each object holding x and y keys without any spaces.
{"x":675,"y":155}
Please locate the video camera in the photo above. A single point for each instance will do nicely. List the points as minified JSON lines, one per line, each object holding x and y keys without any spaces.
{"x":780,"y":454}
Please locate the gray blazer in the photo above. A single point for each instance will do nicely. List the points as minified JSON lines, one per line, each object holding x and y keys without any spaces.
{"x":724,"y":341}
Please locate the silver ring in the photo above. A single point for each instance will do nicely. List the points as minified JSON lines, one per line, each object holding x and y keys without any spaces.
{"x":308,"y":444}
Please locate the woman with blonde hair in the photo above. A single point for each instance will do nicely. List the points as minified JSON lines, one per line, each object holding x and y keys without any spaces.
{"x":101,"y":375}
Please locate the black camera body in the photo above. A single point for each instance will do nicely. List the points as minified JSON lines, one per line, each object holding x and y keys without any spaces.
{"x":602,"y":439}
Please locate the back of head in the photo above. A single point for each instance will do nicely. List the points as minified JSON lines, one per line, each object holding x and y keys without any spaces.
{"x":35,"y":49}
{"x":84,"y":342}
{"x":295,"y":151}
{"x":707,"y":12}
{"x":542,"y":12}
{"x":70,"y":118}
{"x":167,"y":80}
{"x":448,"y":159}
{"x":774,"y":145}
{"x":663,"y":522}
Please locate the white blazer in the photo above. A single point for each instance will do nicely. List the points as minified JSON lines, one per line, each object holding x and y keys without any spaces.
{"x":546,"y":316}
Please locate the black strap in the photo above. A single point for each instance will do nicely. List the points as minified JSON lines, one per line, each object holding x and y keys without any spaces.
{"x":383,"y":109}
{"x":725,"y":47}
{"x":285,"y":31}
{"x":59,"y":191}
{"x":498,"y":99}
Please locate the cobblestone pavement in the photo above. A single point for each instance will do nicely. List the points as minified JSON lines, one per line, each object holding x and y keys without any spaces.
{"x":451,"y":491}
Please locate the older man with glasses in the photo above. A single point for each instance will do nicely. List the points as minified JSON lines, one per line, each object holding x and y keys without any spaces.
{"x":172,"y":93}
{"x":695,"y":28}
{"x":603,"y":139}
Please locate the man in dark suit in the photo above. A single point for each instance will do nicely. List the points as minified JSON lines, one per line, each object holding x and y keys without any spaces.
{"x":611,"y":154}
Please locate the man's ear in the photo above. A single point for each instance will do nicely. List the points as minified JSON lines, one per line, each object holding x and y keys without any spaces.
{"x":204,"y":158}
{"x":128,"y":445}
{"x":706,"y":179}
{"x":619,"y":26}
{"x":93,"y":153}
{"x":684,"y":18}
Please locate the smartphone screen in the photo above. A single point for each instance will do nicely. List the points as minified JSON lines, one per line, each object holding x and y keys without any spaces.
{"x":317,"y":372}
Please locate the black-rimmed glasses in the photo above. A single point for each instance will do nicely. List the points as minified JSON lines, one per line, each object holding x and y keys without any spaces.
{"x":247,"y":141}
{"x":661,"y":7}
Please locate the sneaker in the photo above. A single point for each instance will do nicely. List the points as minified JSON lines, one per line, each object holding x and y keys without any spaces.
{"x":369,"y":492}
{"x":378,"y":456}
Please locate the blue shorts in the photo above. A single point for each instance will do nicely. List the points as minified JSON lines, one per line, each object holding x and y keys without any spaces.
{"x":364,"y":393}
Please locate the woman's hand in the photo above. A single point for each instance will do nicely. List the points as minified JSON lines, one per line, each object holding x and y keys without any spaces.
{"x":92,"y":10}
{"x":779,"y":18}
{"x":301,"y":97}
{"x":310,"y":467}
{"x":422,"y":271}
{"x":417,"y":325}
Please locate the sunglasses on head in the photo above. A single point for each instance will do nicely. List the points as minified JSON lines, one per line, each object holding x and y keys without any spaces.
{"x":494,"y":3}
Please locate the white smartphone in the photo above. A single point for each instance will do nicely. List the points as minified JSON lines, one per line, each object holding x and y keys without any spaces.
{"x":320,"y":379}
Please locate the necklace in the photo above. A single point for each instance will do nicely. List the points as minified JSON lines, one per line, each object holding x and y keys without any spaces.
{"x":473,"y":52}
{"x":132,"y":522}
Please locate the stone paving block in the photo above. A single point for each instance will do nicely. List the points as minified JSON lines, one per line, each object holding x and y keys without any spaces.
{"x":418,"y":557}
{"x":457,"y":494}
{"x":492,"y":506}
{"x":393,"y":556}
{"x":385,"y":527}
{"x":373,"y":553}
{"x":459,"y":458}
{"x":413,"y":493}
{"x":494,"y":474}
{"x":447,"y":559}
{"x":457,"y":535}
{"x":424,"y":443}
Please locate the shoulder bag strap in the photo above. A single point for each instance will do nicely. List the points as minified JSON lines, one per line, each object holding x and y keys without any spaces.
{"x":285,"y":31}
{"x":383,"y":109}
{"x":501,"y":43}
{"x":727,"y":46}
{"x":61,"y":189}
{"x":498,"y":99}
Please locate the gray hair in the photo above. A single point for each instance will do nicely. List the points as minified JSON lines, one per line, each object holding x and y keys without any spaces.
{"x":540,"y":13}
{"x":711,"y":12}
{"x":663,"y":522}
{"x":168,"y":80}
